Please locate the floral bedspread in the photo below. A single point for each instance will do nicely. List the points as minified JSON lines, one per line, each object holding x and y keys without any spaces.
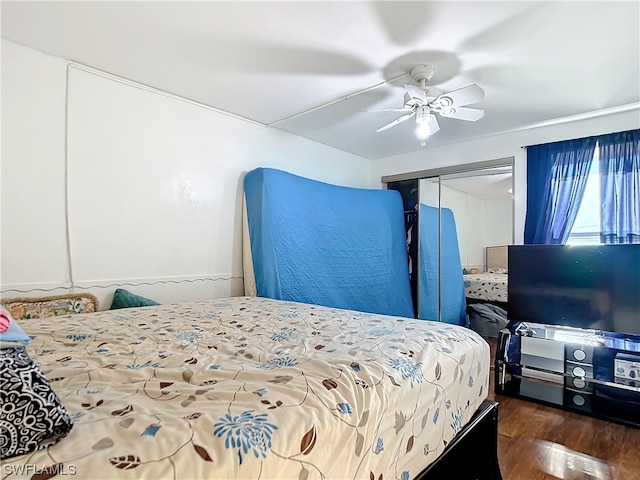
{"x":487,"y":286}
{"x":252,"y":388}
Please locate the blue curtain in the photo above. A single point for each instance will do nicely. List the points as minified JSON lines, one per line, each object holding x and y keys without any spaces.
{"x":620,"y":187}
{"x":557,"y":175}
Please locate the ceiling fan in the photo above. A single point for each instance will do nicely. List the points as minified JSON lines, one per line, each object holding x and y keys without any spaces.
{"x":422,"y":102}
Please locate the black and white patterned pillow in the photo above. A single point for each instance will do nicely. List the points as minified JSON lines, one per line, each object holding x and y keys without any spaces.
{"x":31,"y":414}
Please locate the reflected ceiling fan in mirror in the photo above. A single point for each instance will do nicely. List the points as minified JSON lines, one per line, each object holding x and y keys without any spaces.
{"x":422,"y":102}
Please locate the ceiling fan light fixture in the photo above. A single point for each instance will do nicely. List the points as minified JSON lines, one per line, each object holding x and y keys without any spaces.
{"x":424,"y":122}
{"x":423,"y":130}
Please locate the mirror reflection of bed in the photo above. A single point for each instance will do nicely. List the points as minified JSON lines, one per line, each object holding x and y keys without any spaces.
{"x":489,"y":284}
{"x":486,"y":293}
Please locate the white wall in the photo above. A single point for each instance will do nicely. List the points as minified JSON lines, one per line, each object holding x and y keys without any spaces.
{"x":146,"y":191}
{"x":505,"y":145}
{"x":33,"y":169}
{"x":476,"y":221}
{"x":497,"y":222}
{"x":469,"y":214}
{"x":469,"y":242}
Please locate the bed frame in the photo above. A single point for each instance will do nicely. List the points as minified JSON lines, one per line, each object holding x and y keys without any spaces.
{"x":478,"y":439}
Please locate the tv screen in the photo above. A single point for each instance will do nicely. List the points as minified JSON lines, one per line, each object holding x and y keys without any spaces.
{"x":595,"y":287}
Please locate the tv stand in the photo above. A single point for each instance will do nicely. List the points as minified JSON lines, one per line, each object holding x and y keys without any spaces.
{"x":585,"y":371}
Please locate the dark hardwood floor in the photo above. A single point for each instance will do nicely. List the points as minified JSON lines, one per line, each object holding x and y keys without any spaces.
{"x":537,"y":442}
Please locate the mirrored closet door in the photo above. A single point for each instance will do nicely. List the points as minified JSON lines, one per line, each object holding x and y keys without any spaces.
{"x":461,"y":212}
{"x":482,"y":202}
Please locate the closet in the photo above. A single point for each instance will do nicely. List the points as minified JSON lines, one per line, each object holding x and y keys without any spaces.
{"x":475,"y":200}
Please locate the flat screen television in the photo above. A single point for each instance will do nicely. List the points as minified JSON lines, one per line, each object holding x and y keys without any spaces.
{"x":595,"y":287}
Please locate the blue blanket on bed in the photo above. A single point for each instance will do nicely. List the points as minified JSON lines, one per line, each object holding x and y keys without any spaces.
{"x":313,"y":242}
{"x":449,"y":274}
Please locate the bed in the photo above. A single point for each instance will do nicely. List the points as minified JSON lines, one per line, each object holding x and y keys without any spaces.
{"x":250,"y":387}
{"x":486,"y":287}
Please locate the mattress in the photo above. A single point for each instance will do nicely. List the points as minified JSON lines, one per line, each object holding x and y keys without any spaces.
{"x":441,"y":288}
{"x":314,"y":242}
{"x":490,"y":287}
{"x":248,"y":387}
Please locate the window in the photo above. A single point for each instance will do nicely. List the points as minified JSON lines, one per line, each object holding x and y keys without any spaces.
{"x":586,"y":229}
{"x":580,"y":189}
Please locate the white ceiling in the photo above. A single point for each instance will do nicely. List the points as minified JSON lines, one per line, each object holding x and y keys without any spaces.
{"x":489,"y":184}
{"x":538,"y":62}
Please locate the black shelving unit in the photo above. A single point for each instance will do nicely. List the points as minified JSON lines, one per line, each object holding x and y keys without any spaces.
{"x":573,"y":369}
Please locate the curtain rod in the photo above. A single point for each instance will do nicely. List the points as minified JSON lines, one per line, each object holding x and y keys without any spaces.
{"x":581,"y":138}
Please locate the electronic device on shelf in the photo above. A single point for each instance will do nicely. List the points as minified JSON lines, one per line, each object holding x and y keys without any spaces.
{"x":586,"y":371}
{"x":594,"y":287}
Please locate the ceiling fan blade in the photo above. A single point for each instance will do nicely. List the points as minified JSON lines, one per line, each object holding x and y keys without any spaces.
{"x":465,"y":113}
{"x":396,"y":122}
{"x":407,"y":28}
{"x":416,"y":92}
{"x":275,"y":58}
{"x":464,"y":96}
{"x":403,"y":109}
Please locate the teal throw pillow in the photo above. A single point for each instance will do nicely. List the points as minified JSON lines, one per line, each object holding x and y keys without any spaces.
{"x":125,"y":299}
